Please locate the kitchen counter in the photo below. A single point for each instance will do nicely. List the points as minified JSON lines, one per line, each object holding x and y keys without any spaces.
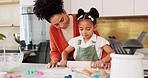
{"x":144,"y":51}
{"x":145,"y":64}
{"x":22,"y":71}
{"x":58,"y":72}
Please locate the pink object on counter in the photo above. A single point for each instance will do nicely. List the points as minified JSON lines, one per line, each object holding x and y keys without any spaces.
{"x":15,"y":77}
{"x":39,"y":73}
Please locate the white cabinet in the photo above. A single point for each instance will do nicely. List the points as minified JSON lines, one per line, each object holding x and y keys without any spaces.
{"x":86,"y":5}
{"x":7,"y":2}
{"x":117,"y":7}
{"x":26,"y":2}
{"x":141,"y":7}
{"x":9,"y":15}
{"x":67,"y":6}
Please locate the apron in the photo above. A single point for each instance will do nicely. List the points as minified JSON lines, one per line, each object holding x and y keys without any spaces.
{"x":87,"y":54}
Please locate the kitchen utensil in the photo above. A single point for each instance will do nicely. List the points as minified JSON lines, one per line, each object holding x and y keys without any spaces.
{"x":17,"y":37}
{"x":131,"y":44}
{"x":134,"y":44}
{"x":117,"y":46}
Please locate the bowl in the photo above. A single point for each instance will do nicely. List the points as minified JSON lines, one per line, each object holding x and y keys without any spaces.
{"x":11,"y":62}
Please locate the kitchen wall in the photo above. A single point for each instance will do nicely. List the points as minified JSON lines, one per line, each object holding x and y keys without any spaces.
{"x":9,"y":41}
{"x":9,"y":15}
{"x":124,"y":28}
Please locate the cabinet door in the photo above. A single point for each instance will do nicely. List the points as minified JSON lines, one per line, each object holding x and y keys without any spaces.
{"x":86,"y":5}
{"x":67,"y":6}
{"x":141,"y":7}
{"x":3,"y":1}
{"x":117,"y":7}
{"x":9,"y":14}
{"x":26,"y":2}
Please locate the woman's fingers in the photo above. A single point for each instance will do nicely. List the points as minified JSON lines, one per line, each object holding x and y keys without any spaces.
{"x":52,"y":64}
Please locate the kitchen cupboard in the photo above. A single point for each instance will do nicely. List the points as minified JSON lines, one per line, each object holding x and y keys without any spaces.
{"x":9,"y":15}
{"x":67,"y":6}
{"x":141,"y":7}
{"x":86,"y":5}
{"x":26,"y":2}
{"x":109,"y":8}
{"x":7,"y":2}
{"x":105,"y":7}
{"x":118,"y":7}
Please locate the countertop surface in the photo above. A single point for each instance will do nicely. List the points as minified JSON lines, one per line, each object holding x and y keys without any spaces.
{"x":58,"y":72}
{"x":22,"y":71}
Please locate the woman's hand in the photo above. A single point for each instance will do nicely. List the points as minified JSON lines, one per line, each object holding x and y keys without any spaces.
{"x":52,"y":64}
{"x":62,"y":63}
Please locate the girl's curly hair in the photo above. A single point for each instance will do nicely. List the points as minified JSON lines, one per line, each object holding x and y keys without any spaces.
{"x":45,"y":9}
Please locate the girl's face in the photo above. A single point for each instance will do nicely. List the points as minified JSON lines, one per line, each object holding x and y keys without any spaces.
{"x":86,"y":28}
{"x":60,"y":20}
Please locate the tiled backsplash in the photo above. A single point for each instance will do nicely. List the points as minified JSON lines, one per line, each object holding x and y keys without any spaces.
{"x":124,"y":28}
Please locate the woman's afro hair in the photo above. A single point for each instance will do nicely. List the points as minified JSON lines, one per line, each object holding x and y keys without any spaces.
{"x":45,"y":9}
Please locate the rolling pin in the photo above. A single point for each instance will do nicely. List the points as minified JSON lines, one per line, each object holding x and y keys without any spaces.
{"x":80,"y":64}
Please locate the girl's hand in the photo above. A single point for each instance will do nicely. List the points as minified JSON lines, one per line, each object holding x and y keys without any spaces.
{"x":97,"y":64}
{"x":62,"y":63}
{"x":107,"y":65}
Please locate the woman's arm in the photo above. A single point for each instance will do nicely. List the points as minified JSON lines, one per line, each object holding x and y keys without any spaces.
{"x":55,"y":55}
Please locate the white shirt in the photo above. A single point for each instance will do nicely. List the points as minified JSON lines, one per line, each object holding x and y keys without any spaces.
{"x":100,"y":42}
{"x":68,"y":32}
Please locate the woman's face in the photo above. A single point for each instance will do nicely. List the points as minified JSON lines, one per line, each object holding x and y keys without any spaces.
{"x":60,"y":20}
{"x":86,"y":28}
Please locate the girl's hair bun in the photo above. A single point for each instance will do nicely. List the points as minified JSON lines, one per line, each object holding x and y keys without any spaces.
{"x":80,"y":12}
{"x":94,"y":13}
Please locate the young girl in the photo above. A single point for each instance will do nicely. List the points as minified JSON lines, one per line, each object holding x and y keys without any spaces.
{"x":87,"y":46}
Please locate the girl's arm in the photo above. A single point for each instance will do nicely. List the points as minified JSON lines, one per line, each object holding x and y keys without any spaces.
{"x":105,"y":60}
{"x":109,"y":50}
{"x":63,"y":62}
{"x":65,"y":53}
